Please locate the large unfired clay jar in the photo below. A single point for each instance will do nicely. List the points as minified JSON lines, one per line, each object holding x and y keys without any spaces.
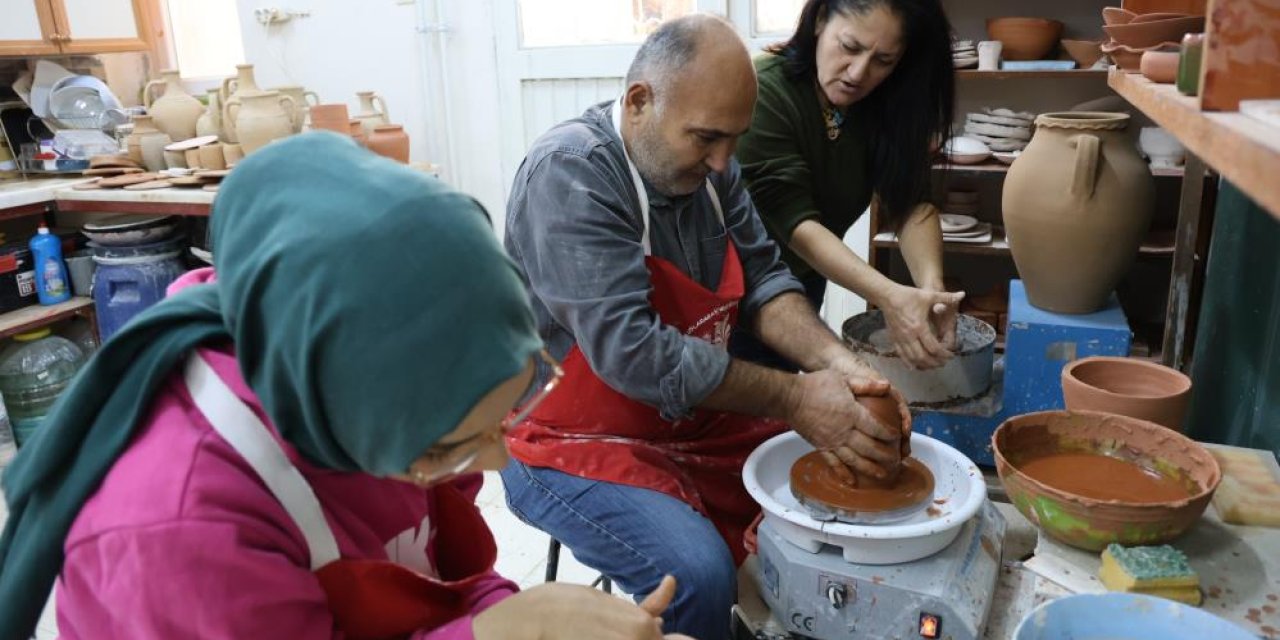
{"x":302,"y":99}
{"x":261,"y":117}
{"x":149,"y":142}
{"x":175,"y":112}
{"x":1077,"y":205}
{"x":232,"y":88}
{"x":210,"y":122}
{"x":391,"y":141}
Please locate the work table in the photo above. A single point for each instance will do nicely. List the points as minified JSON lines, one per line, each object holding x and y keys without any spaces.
{"x":25,"y":196}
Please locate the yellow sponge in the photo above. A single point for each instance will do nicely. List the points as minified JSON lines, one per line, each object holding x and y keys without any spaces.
{"x":1159,"y":571}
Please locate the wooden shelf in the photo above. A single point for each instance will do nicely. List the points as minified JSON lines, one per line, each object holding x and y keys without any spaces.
{"x":1048,"y":73}
{"x":34,"y":317}
{"x":1246,"y":152}
{"x":1156,"y":244}
{"x":999,"y":167}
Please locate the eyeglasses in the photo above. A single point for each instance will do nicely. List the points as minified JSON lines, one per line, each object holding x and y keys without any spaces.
{"x":472,"y":447}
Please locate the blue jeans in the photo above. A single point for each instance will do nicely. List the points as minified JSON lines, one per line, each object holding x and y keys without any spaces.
{"x":634,"y":536}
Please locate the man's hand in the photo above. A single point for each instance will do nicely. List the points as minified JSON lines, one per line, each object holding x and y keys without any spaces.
{"x":825,"y":412}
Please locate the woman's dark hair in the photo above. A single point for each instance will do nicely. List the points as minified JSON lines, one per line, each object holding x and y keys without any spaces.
{"x":910,"y":111}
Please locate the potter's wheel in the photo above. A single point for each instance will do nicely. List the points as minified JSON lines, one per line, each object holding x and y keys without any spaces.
{"x":828,"y":497}
{"x":959,"y":492}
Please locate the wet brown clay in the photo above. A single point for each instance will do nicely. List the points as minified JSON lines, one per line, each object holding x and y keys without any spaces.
{"x":1129,"y":387}
{"x":1089,"y":522}
{"x":1103,"y":478}
{"x":814,"y":482}
{"x":1077,"y":205}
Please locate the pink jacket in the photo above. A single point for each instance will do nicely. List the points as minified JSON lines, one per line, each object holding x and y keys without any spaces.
{"x":182,"y":540}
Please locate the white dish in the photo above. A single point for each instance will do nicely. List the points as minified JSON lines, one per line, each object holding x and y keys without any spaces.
{"x":47,"y":76}
{"x":998,"y":130}
{"x":977,"y":230}
{"x":982,"y":239}
{"x":109,"y":99}
{"x":1007,"y":157}
{"x":191,"y":143}
{"x":959,"y":491}
{"x":955,"y":223}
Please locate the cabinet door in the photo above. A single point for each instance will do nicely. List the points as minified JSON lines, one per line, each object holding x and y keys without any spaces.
{"x":28,"y":28}
{"x":99,"y":26}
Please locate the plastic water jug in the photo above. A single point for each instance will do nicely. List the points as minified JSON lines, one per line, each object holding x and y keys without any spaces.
{"x":34,"y":369}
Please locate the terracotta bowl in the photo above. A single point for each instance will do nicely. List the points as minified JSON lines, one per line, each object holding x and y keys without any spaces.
{"x":1116,"y":15}
{"x":1091,"y":524}
{"x":1025,"y":38}
{"x":1146,"y":34}
{"x":1130,"y":58}
{"x":1084,"y":52}
{"x":1129,"y":387}
{"x":1160,"y":66}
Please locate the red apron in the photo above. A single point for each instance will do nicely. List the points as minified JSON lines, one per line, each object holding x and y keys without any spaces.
{"x":369,"y":599}
{"x":587,"y":429}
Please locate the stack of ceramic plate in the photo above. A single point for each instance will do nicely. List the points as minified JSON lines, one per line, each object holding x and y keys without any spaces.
{"x":1001,"y":129}
{"x":965,"y":229}
{"x":962,"y":202}
{"x":963,"y":54}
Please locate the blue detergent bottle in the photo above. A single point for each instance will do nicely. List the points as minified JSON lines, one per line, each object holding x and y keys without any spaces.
{"x":51,"y":273}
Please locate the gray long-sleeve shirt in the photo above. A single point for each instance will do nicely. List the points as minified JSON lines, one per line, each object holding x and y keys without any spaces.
{"x":574,"y":229}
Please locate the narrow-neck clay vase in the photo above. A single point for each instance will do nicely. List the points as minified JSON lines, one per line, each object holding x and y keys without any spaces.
{"x":175,"y":112}
{"x":150,"y":143}
{"x":1077,"y":205}
{"x":210,"y":122}
{"x":391,"y":141}
{"x":243,"y":82}
{"x":302,"y":100}
{"x":260,"y":117}
{"x":373,"y":111}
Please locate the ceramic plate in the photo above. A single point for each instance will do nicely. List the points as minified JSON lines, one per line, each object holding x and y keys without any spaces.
{"x":1007,"y":157}
{"x":979,"y":229}
{"x":954,"y":223}
{"x":126,"y":222}
{"x":191,"y":143}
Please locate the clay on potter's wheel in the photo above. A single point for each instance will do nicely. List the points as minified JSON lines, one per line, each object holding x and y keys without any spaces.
{"x":813,"y":482}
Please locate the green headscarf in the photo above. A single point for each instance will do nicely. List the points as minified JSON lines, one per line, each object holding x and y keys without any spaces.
{"x":370,"y":308}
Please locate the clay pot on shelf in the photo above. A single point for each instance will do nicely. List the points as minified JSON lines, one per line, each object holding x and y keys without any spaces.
{"x":232,"y":88}
{"x":1140,"y":33}
{"x":330,"y":117}
{"x":1077,"y":205}
{"x":1159,"y":66}
{"x":175,"y":112}
{"x":1129,"y":58}
{"x":391,"y":141}
{"x":302,"y":99}
{"x":373,"y":111}
{"x":356,"y":131}
{"x":1128,"y":387}
{"x":1025,"y":38}
{"x":149,"y":143}
{"x":261,"y":117}
{"x":210,"y":122}
{"x":1084,"y":52}
{"x":1161,"y":148}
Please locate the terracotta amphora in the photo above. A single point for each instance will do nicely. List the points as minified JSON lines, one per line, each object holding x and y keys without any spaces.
{"x":243,"y":82}
{"x":260,"y":117}
{"x":1077,"y":205}
{"x":175,"y":112}
{"x":391,"y":141}
{"x":302,"y":100}
{"x":210,"y":122}
{"x":373,"y":111}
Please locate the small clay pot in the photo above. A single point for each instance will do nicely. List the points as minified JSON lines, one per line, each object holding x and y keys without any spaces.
{"x":1128,"y":387}
{"x":1025,"y":38}
{"x":391,"y":141}
{"x":1141,"y":34}
{"x":1160,"y":66}
{"x":1130,"y":58}
{"x":1084,"y":52}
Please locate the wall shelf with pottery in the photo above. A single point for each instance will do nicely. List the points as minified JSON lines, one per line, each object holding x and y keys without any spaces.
{"x":1038,"y":73}
{"x":1157,"y":243}
{"x":998,"y":167}
{"x":36,"y":316}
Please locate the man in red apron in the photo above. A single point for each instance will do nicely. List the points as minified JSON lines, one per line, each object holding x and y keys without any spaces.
{"x":640,"y":257}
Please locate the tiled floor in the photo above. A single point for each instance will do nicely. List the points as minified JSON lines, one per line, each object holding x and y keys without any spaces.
{"x":522,"y":550}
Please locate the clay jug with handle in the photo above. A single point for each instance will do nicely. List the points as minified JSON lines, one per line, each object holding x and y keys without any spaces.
{"x":231,"y":88}
{"x":175,"y":111}
{"x":373,"y":111}
{"x":1077,"y":204}
{"x":302,"y":100}
{"x":210,"y":122}
{"x":260,"y":117}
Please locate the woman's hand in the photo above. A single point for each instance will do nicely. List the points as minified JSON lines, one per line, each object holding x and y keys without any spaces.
{"x":922,"y":324}
{"x":556,"y":610}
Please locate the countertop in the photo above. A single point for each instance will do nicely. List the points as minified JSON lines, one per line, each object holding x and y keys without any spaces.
{"x":169,"y":195}
{"x":19,"y":192}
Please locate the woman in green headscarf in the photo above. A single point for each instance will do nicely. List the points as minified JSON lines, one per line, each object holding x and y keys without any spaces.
{"x":284,"y":450}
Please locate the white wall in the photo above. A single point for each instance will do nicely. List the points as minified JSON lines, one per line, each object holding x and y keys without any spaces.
{"x":346,"y":46}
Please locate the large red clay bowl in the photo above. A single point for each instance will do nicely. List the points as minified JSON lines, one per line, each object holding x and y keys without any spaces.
{"x":1025,"y":38}
{"x":1129,"y":387}
{"x":1138,"y":35}
{"x":1089,"y":523}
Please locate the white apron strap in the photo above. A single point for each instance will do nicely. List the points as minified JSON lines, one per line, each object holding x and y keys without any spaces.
{"x":642,"y":194}
{"x":242,"y":429}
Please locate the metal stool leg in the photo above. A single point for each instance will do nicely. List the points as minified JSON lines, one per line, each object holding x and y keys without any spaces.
{"x":553,"y":560}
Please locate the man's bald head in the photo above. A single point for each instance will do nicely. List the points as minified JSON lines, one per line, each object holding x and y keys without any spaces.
{"x":697,"y":49}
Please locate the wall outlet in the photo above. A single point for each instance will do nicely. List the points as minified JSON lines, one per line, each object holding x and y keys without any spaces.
{"x":276,"y":15}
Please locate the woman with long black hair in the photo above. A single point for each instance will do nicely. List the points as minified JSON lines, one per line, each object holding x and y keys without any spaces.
{"x":849,"y":110}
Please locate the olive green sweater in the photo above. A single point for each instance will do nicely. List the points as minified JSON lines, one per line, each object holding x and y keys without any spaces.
{"x":792,"y":170}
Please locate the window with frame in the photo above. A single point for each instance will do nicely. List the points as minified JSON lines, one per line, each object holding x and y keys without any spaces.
{"x":566,"y":23}
{"x":205,"y":37}
{"x":774,"y":17}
